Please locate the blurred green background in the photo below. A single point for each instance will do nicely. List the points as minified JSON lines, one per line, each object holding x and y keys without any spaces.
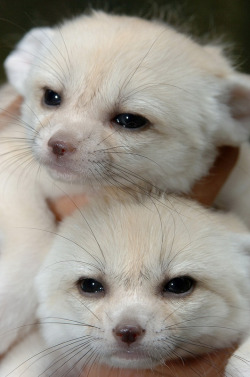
{"x":228,"y":19}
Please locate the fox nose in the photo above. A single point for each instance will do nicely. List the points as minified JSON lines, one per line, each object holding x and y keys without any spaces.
{"x":61,"y":147}
{"x":128,"y":333}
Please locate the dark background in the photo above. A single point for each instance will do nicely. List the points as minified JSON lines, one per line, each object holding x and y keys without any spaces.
{"x":227,"y":19}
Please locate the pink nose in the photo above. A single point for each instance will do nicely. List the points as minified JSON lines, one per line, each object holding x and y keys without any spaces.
{"x":128,"y":333}
{"x":61,"y":147}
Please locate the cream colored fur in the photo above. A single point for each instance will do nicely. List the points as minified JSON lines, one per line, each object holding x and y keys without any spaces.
{"x":26,"y":224}
{"x":24,"y":217}
{"x":105,"y":65}
{"x":102,"y":66}
{"x":26,"y":227}
{"x":235,"y":193}
{"x":150,"y":244}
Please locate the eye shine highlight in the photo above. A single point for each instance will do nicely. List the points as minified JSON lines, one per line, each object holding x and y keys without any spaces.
{"x":179,"y":285}
{"x":130,"y":121}
{"x":51,"y":98}
{"x":124,"y":119}
{"x":90,"y":286}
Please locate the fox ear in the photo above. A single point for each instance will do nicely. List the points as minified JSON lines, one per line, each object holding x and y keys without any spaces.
{"x":19,"y":63}
{"x":233,"y":100}
{"x":235,"y":109}
{"x":237,"y":100}
{"x":239,"y":97}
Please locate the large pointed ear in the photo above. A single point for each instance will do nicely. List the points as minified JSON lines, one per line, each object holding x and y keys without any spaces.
{"x":239,"y":97}
{"x":235,"y":106}
{"x":20,"y":61}
{"x":233,"y":100}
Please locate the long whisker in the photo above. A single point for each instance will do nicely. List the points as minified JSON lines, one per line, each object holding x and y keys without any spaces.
{"x":71,"y":241}
{"x":44,"y":353}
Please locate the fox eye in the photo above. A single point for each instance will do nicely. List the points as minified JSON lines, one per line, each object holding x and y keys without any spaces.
{"x":179,"y":285}
{"x":130,"y":121}
{"x":52,"y":98}
{"x":90,"y":286}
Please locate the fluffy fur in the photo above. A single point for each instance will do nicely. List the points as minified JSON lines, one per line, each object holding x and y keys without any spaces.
{"x":26,"y":227}
{"x":235,"y":193}
{"x":23,"y":216}
{"x":150,"y":245}
{"x":103,"y":66}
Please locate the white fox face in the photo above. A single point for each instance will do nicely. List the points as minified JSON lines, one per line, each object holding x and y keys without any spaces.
{"x":134,"y":285}
{"x":120,"y":101}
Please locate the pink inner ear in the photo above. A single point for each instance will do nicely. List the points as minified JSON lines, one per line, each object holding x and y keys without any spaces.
{"x":239,"y":102}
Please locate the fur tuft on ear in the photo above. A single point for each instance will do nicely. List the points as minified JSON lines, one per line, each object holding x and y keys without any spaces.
{"x":237,"y":100}
{"x":239,"y":97}
{"x":234,"y":98}
{"x":19,"y":62}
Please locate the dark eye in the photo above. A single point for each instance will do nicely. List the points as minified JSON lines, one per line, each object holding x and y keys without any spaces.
{"x":179,"y":285}
{"x":51,"y":98}
{"x":90,"y":286}
{"x":130,"y":121}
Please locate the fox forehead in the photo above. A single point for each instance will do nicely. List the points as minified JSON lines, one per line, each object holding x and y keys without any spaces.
{"x":146,"y":244}
{"x":119,"y":57}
